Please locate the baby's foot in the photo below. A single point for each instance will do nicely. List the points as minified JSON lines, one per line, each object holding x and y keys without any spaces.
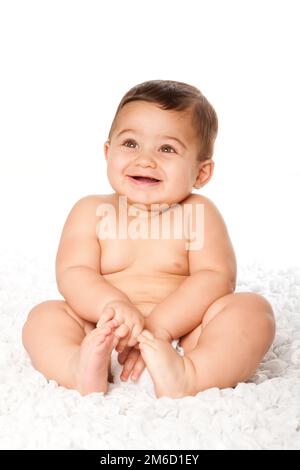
{"x":93,"y":359}
{"x":170,"y":372}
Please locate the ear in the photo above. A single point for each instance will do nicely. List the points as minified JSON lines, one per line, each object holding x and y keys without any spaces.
{"x":106,"y":147}
{"x":204,"y":174}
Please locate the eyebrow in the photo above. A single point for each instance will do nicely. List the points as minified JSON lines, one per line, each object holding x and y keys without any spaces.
{"x":162,"y":136}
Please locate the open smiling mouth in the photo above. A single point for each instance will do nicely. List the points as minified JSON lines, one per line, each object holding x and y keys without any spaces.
{"x":143,"y":180}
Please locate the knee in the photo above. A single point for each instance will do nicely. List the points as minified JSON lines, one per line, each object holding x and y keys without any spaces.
{"x":256,"y":302}
{"x":49,"y":311}
{"x":44,"y":308}
{"x":260,"y":313}
{"x":39,"y":314}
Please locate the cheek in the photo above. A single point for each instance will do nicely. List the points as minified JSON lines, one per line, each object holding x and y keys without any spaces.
{"x":115,"y":165}
{"x":180,"y":174}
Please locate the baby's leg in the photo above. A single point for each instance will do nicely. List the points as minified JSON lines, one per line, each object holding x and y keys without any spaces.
{"x":237,"y":331}
{"x":67,"y":349}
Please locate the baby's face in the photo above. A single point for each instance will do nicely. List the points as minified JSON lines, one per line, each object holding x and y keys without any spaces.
{"x":150,"y":141}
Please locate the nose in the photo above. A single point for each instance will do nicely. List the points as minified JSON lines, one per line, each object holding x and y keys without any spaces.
{"x":145,"y":161}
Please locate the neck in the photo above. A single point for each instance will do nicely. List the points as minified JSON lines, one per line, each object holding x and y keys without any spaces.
{"x":141,"y":210}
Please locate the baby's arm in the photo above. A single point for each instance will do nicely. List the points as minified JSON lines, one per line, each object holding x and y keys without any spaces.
{"x":78,"y":263}
{"x":212,"y":275}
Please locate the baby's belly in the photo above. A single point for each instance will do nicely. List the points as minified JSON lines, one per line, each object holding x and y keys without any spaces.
{"x":145,"y":290}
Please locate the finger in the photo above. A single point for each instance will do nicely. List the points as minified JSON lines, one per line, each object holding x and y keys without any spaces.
{"x":122,"y":344}
{"x":132,"y":341}
{"x":136,"y":331}
{"x":115,"y":342}
{"x":129,"y":364}
{"x":122,"y":331}
{"x":118,"y":316}
{"x":138,"y":368}
{"x":123,"y":355}
{"x":107,"y":314}
{"x":112,"y":324}
{"x":105,"y":330}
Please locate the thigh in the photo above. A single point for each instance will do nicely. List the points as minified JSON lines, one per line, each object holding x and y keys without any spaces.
{"x":53,"y":307}
{"x":234,"y":342}
{"x":190,"y":340}
{"x":245,"y":301}
{"x":86,"y":325}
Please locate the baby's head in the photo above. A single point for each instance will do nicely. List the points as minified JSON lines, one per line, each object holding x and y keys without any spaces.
{"x":164,"y":130}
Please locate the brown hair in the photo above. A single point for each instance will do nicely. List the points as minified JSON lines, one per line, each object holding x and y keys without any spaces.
{"x":179,"y":96}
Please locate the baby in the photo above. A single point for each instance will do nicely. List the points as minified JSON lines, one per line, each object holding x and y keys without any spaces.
{"x":151,"y":263}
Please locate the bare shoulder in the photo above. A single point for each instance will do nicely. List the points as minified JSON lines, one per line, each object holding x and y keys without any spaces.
{"x":86,"y":208}
{"x":91,"y":201}
{"x":78,"y":243}
{"x":209,"y":206}
{"x":83,"y":216}
{"x":217,"y":252}
{"x":212,"y":217}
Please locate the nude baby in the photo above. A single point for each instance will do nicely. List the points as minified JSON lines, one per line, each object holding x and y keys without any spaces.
{"x":137,"y":270}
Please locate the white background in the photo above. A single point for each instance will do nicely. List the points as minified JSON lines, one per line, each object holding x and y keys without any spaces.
{"x":65,"y":65}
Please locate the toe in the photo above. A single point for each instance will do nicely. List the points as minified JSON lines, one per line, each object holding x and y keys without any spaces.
{"x":104,"y":340}
{"x":111,"y":324}
{"x":104,"y":330}
{"x":100,"y":339}
{"x":146,"y":347}
{"x":142,"y":339}
{"x":147,"y":334}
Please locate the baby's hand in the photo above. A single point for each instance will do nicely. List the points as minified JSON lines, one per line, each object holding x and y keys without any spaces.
{"x":124,"y":313}
{"x":133,"y":363}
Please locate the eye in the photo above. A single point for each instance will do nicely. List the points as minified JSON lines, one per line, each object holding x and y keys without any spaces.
{"x":130,"y":141}
{"x":168,"y":146}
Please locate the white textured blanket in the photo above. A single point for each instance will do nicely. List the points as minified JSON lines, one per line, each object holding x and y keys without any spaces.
{"x":35,"y":414}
